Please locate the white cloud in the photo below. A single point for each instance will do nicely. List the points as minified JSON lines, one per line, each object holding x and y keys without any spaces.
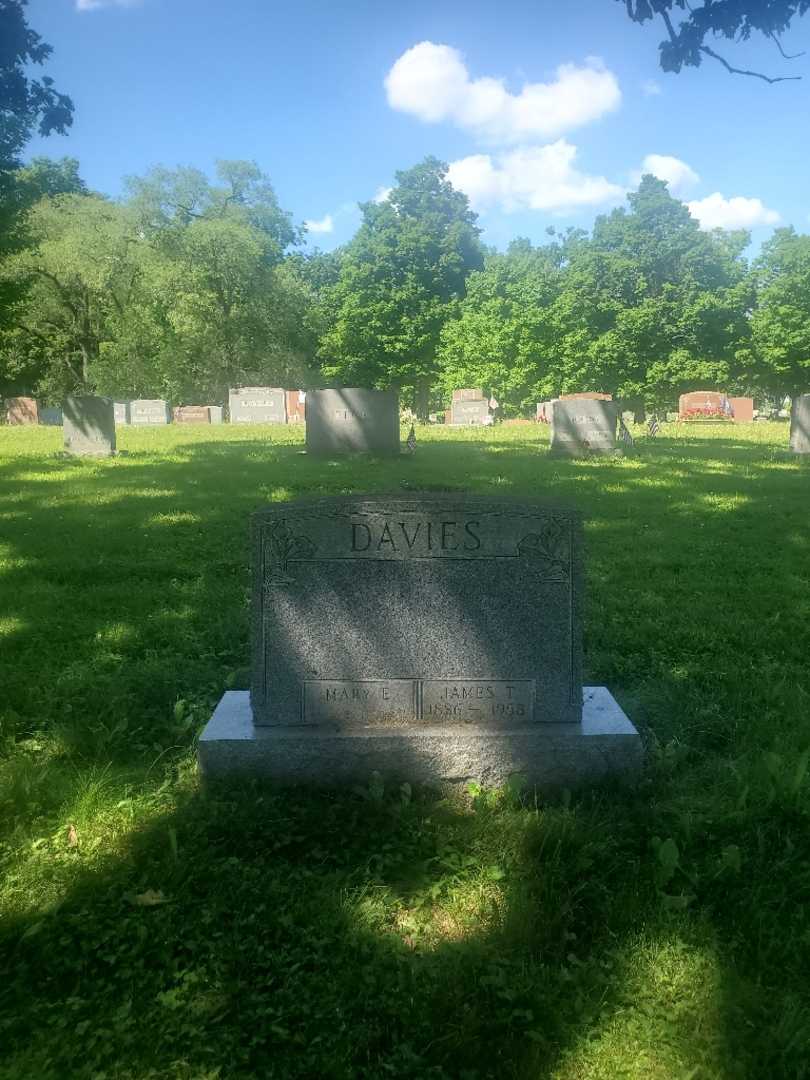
{"x":650,"y":88}
{"x":718,"y":212}
{"x":94,"y":5}
{"x":325,"y":225}
{"x":432,"y":82}
{"x":531,"y":178}
{"x":677,"y":173}
{"x":382,"y":194}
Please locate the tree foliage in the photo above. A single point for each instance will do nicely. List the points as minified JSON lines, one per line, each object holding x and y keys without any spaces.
{"x":685,"y":44}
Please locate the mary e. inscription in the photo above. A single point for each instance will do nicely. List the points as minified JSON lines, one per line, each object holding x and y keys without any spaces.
{"x":425,"y":610}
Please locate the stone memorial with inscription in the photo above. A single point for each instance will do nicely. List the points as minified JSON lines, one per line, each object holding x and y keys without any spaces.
{"x":352,"y":420}
{"x":427,"y":638}
{"x":800,"y":425}
{"x":51,"y":416}
{"x":470,"y":408}
{"x":191,"y":414}
{"x":582,"y":427}
{"x":145,"y":411}
{"x":21,"y":410}
{"x":89,"y":426}
{"x":257,"y":405}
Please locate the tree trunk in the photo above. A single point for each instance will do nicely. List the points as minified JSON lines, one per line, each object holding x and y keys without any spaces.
{"x":422,"y":398}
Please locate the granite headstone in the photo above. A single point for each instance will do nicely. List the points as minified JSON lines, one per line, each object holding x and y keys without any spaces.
{"x":215,"y":414}
{"x":50,"y":415}
{"x":296,"y":406}
{"x":742,"y":409}
{"x":191,"y":414}
{"x":257,"y":405}
{"x":352,"y":420}
{"x":470,"y":411}
{"x":146,"y":411}
{"x":21,"y":410}
{"x":426,"y":637}
{"x":121,"y":410}
{"x":800,"y":425}
{"x":89,"y":426}
{"x":582,"y":427}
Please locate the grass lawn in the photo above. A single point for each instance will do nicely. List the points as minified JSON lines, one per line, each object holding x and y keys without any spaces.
{"x":149,"y":928}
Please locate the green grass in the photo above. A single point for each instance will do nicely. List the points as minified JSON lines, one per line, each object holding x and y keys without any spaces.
{"x":153,"y":929}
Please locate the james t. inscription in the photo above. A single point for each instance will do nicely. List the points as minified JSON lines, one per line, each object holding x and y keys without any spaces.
{"x":428,"y":610}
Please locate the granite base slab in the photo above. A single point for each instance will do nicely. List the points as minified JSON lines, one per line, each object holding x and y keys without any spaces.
{"x":561,"y":755}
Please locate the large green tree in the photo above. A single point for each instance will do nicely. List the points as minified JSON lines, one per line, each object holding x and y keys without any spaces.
{"x":399,"y":279}
{"x":501,"y":337}
{"x":781,"y":319}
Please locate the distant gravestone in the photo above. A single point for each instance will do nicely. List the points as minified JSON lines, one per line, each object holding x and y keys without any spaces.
{"x":257,"y":405}
{"x":586,"y":395}
{"x":121,"y":410}
{"x":149,"y":411}
{"x":418,"y":672}
{"x":352,"y":420}
{"x":742,"y":409}
{"x":585,"y":426}
{"x":800,"y":425}
{"x":470,"y":413}
{"x":191,"y":414}
{"x":296,"y":406}
{"x":699,"y":403}
{"x":51,"y":416}
{"x":89,"y":426}
{"x":215,"y":414}
{"x":21,"y":410}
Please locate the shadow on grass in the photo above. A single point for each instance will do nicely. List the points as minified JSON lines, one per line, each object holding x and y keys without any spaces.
{"x":338,"y":936}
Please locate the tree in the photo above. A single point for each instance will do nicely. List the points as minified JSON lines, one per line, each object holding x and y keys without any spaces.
{"x":25,"y":103}
{"x":399,"y":279}
{"x":501,"y":338}
{"x":166,"y":201}
{"x":781,"y":320}
{"x":685,"y":45}
{"x":78,"y":275}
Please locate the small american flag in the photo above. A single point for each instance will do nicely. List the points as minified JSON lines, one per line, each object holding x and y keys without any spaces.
{"x":653,"y":426}
{"x":410,"y":442}
{"x":624,"y":432}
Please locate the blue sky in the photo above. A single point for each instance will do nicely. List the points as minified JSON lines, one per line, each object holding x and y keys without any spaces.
{"x":546,"y":111}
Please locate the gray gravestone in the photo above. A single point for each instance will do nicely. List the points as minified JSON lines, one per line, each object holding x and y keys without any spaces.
{"x":427,"y":637}
{"x":351,"y":420}
{"x":257,"y":405}
{"x":51,"y":416}
{"x":121,"y":410}
{"x":89,"y":426}
{"x":468,"y":412}
{"x":215,"y":414}
{"x":149,"y":411}
{"x":800,"y":425}
{"x":583,"y":426}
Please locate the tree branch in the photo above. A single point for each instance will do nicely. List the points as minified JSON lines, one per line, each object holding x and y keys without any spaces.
{"x":741,"y":71}
{"x":786,"y":56}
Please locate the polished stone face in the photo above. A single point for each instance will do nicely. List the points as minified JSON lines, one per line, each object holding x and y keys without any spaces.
{"x":800,"y":425}
{"x":469,"y":412}
{"x":583,"y":427}
{"x":149,"y":411}
{"x":352,"y":420}
{"x":89,"y":426}
{"x":257,"y":405}
{"x":395,"y":612}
